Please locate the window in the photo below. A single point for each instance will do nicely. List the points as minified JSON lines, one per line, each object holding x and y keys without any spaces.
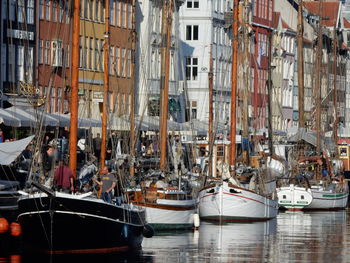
{"x":284,"y":196}
{"x":192,"y":3}
{"x":81,"y":54}
{"x":123,"y":63}
{"x":192,"y":32}
{"x":21,"y":11}
{"x":11,"y":62}
{"x":96,"y":55}
{"x":29,"y":68}
{"x":41,"y":9}
{"x":47,"y":52}
{"x":97,"y":10}
{"x":40,"y":52}
{"x":153,"y":107}
{"x":3,"y":62}
{"x":12,"y":15}
{"x":191,"y":68}
{"x":110,"y":60}
{"x":194,"y":110}
{"x":47,"y":10}
{"x":20,"y":63}
{"x":86,"y":8}
{"x":91,"y":52}
{"x":85,"y":53}
{"x":56,"y":53}
{"x":91,"y":16}
{"x":54,"y":11}
{"x":302,"y":197}
{"x":129,"y":64}
{"x":129,"y":16}
{"x":118,"y":13}
{"x":112,"y":12}
{"x":61,"y":9}
{"x":117,"y":61}
{"x":67,"y":10}
{"x":66,"y":56}
{"x":124,"y":14}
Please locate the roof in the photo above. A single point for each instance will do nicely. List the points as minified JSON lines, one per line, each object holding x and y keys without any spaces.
{"x":346,"y":23}
{"x":328,"y":11}
{"x":286,"y":26}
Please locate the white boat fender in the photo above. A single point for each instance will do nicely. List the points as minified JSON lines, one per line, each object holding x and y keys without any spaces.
{"x":196,"y":221}
{"x":147,"y":231}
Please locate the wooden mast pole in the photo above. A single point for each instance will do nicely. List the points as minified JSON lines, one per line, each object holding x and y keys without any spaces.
{"x":318,"y":83}
{"x":234,"y":84}
{"x":300,"y":66}
{"x":269,"y":94}
{"x":105,"y":87}
{"x":211,"y":119}
{"x":73,"y":133}
{"x":165,"y":56}
{"x":132,"y":106}
{"x":246,"y":65}
{"x":335,"y":95}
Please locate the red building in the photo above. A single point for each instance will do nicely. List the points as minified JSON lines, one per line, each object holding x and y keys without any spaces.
{"x":262,"y":25}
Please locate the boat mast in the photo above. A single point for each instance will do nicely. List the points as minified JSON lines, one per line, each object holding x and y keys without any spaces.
{"x":73,"y":133}
{"x":318,"y":82}
{"x":300,"y":65}
{"x":234,"y":84}
{"x":269,"y":94}
{"x":105,"y":87}
{"x":164,"y":89}
{"x":246,"y":65}
{"x":335,"y":95}
{"x":132,"y":106}
{"x":211,"y":119}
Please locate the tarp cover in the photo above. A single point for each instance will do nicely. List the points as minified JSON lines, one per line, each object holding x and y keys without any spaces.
{"x":9,"y":151}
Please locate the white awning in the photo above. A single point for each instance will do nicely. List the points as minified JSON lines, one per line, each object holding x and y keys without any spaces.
{"x":9,"y":151}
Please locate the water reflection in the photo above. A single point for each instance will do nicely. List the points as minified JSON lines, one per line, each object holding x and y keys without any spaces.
{"x":292,"y":237}
{"x":312,"y":237}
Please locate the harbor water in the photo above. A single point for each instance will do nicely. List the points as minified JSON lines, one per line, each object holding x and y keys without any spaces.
{"x":291,"y":237}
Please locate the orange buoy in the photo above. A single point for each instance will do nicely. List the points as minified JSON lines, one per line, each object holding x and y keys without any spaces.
{"x":4,"y":225}
{"x":15,"y":229}
{"x":15,"y":259}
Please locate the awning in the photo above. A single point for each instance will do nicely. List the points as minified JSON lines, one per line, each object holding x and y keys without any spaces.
{"x":9,"y":151}
{"x":30,"y":117}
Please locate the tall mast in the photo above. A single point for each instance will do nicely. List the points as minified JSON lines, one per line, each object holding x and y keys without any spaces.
{"x":318,"y":82}
{"x":269,"y":90}
{"x":234,"y":84}
{"x":105,"y":86}
{"x":211,"y":119}
{"x":246,"y":65}
{"x":132,"y":106}
{"x":164,"y":91}
{"x":300,"y":65}
{"x":335,"y":95}
{"x":73,"y":133}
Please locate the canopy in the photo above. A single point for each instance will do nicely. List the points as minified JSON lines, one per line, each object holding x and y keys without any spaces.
{"x":9,"y":151}
{"x":29,"y":117}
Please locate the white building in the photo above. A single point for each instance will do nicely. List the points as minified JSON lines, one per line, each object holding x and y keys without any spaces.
{"x":202,"y":30}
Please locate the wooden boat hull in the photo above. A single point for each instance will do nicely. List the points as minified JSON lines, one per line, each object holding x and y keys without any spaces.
{"x":293,"y":197}
{"x":224,"y":202}
{"x":65,"y":224}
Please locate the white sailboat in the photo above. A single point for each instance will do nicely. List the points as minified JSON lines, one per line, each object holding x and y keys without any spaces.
{"x":248,"y":194}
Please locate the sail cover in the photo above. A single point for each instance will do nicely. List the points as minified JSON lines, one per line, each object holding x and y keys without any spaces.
{"x":9,"y":151}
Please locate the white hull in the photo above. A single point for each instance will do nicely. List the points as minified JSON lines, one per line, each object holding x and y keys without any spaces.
{"x":293,"y":197}
{"x":176,"y":214}
{"x":328,"y":199}
{"x":230,"y":203}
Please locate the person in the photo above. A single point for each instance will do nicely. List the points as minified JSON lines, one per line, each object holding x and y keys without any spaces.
{"x":97,"y":146}
{"x":178,"y":155}
{"x":63,"y":178}
{"x":2,"y":139}
{"x":107,"y":184}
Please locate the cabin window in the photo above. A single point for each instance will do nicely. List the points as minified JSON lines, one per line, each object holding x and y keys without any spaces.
{"x":343,"y":151}
{"x":302,"y":197}
{"x":192,"y":4}
{"x":284,"y":196}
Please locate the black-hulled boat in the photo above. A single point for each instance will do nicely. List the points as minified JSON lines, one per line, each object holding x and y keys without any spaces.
{"x":55,"y":222}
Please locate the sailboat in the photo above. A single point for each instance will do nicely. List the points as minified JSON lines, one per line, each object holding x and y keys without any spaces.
{"x":248,"y":193}
{"x":317,"y":184}
{"x":55,"y":222}
{"x":168,"y":206}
